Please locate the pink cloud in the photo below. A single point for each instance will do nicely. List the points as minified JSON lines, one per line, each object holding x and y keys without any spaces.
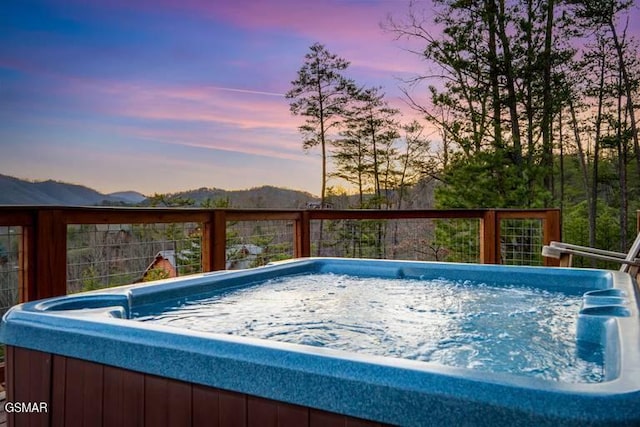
{"x":238,"y":108}
{"x":230,"y":119}
{"x":268,"y":147}
{"x":323,"y":20}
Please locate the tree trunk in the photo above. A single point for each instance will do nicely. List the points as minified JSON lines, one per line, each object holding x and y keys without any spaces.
{"x":561,"y":143}
{"x":323,"y":146}
{"x":376,"y":171}
{"x":622,"y":172}
{"x":596,"y":156}
{"x":547,"y":104}
{"x":583,"y":167}
{"x":494,"y":73}
{"x":512,"y":101}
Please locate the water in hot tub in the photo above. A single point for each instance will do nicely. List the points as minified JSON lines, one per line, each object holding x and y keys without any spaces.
{"x":521,"y":330}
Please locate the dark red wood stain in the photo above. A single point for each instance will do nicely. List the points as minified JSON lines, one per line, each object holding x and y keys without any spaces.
{"x":113,"y":397}
{"x":58,"y":390}
{"x":133,"y":384}
{"x":155,"y":412}
{"x":325,"y":419}
{"x":261,"y":412}
{"x":123,"y":398}
{"x":10,"y":384}
{"x":233,"y":409}
{"x":74,"y":394}
{"x":206,"y":404}
{"x":31,"y":383}
{"x":178,"y":402}
{"x":82,"y":393}
{"x":93,"y":388}
{"x":292,"y":415}
{"x":356,"y":422}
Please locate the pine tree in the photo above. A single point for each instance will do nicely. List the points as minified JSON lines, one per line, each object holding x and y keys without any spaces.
{"x":320,"y":94}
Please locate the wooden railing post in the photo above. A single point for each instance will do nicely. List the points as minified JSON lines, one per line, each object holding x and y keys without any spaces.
{"x":51,"y":254}
{"x":489,"y":238}
{"x":208,"y":238}
{"x":551,"y":232}
{"x":27,"y":290}
{"x":302,"y":235}
{"x":219,"y":246}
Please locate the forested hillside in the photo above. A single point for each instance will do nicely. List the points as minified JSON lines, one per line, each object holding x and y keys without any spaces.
{"x":260,"y":197}
{"x":14,"y":191}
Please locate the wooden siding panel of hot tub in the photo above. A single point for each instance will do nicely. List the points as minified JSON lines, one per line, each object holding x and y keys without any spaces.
{"x":206,"y":406}
{"x":233,"y":409}
{"x":79,"y":392}
{"x":84,"y":388}
{"x":292,"y":415}
{"x":261,"y":413}
{"x":31,"y":376}
{"x":123,"y":397}
{"x":58,"y":390}
{"x":166,"y":402}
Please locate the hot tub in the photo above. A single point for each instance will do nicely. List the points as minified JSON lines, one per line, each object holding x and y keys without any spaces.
{"x":94,"y":355}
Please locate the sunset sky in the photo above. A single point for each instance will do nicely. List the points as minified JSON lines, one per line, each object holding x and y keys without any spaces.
{"x":167,"y":95}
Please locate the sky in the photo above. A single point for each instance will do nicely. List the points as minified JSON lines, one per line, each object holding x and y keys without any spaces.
{"x":161,"y":96}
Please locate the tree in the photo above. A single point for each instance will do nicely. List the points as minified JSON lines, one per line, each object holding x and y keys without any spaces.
{"x":518,"y":88}
{"x":615,"y":124}
{"x":168,"y":200}
{"x":365,"y":155}
{"x":491,"y":88}
{"x":414,"y":163}
{"x":350,"y":157}
{"x":320,"y":94}
{"x":603,"y":14}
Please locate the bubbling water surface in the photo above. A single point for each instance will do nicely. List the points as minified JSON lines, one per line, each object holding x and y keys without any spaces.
{"x":515,"y":329}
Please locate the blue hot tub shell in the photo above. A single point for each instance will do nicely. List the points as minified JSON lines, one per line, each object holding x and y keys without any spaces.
{"x":95,"y":326}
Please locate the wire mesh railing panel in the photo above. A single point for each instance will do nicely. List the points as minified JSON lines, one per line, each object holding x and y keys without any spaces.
{"x":521,"y":241}
{"x":255,"y":243}
{"x":106,"y":255}
{"x":10,"y":270}
{"x":454,"y":240}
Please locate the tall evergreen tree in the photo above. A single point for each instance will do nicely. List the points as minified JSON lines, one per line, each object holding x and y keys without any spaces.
{"x":320,"y":94}
{"x":495,"y":65}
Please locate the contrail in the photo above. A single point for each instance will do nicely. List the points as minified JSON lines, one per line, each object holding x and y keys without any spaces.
{"x":256,"y":92}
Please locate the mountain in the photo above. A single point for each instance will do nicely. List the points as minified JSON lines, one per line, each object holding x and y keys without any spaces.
{"x":14,"y":191}
{"x":132,"y":197}
{"x":259,"y":197}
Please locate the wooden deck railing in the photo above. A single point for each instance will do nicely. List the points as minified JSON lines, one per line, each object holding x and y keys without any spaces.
{"x":43,"y":246}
